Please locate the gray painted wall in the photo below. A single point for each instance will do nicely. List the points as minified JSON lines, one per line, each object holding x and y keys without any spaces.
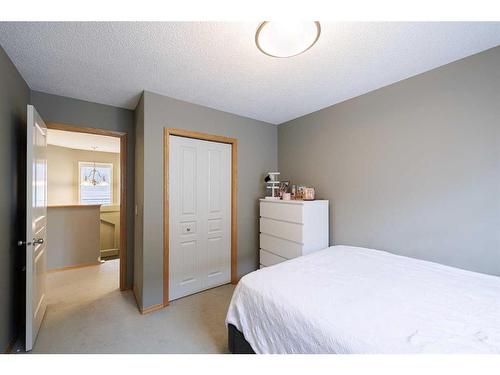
{"x":412,"y":168}
{"x":14,"y":97}
{"x":139,"y":200}
{"x":54,"y":108}
{"x":256,"y":155}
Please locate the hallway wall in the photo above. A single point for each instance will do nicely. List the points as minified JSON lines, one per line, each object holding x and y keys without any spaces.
{"x":63,"y":174}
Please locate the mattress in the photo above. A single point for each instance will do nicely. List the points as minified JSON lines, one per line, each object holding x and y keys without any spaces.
{"x":354,"y":300}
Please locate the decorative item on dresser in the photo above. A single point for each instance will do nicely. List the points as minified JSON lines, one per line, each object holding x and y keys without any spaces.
{"x":273,"y":185}
{"x":289,"y":229}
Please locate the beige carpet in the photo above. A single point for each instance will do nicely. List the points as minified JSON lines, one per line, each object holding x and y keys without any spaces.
{"x":88,"y":314}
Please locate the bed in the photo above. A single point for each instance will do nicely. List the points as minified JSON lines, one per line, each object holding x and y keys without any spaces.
{"x":354,"y":300}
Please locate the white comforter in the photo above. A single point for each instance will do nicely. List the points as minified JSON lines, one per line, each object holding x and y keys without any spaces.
{"x":354,"y":300}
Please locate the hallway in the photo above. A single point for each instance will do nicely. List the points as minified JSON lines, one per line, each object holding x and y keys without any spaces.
{"x":88,"y":314}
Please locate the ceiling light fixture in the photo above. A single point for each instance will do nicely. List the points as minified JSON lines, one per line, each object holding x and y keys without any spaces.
{"x":286,"y":39}
{"x":94,"y":177}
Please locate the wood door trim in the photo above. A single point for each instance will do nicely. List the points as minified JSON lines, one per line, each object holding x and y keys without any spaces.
{"x":167,"y":132}
{"x":123,"y":185}
{"x":123,"y":211}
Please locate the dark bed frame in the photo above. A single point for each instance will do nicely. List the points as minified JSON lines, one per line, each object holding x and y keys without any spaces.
{"x":236,"y":341}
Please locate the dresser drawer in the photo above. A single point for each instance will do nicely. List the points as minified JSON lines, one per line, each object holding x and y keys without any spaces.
{"x":268,"y":259}
{"x":283,"y":248}
{"x":282,"y":211}
{"x":281,"y":229}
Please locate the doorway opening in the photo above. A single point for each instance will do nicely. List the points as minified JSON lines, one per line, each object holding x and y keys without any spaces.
{"x":86,"y":197}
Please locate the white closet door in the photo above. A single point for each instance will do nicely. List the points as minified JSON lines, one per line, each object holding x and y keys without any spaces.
{"x":184,"y":218}
{"x":200,"y":215}
{"x":217,"y":195}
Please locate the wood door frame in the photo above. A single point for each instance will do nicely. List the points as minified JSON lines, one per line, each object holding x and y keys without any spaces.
{"x":167,"y":132}
{"x":123,"y":186}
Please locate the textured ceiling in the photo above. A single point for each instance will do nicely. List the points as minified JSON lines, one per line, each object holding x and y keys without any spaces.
{"x":218,"y":65}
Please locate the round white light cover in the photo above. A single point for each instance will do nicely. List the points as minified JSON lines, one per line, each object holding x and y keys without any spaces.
{"x":286,"y":39}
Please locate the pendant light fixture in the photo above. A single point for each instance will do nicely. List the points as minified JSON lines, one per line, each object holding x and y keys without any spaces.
{"x":286,"y":39}
{"x":94,"y":177}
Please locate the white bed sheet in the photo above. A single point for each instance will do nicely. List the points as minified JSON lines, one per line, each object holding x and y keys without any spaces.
{"x":353,"y":300}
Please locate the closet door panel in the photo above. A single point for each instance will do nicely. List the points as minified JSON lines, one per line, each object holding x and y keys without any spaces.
{"x":218,"y":224}
{"x":186,"y":240}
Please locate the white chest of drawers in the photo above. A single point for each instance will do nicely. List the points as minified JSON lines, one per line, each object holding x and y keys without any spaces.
{"x":289,"y":229}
